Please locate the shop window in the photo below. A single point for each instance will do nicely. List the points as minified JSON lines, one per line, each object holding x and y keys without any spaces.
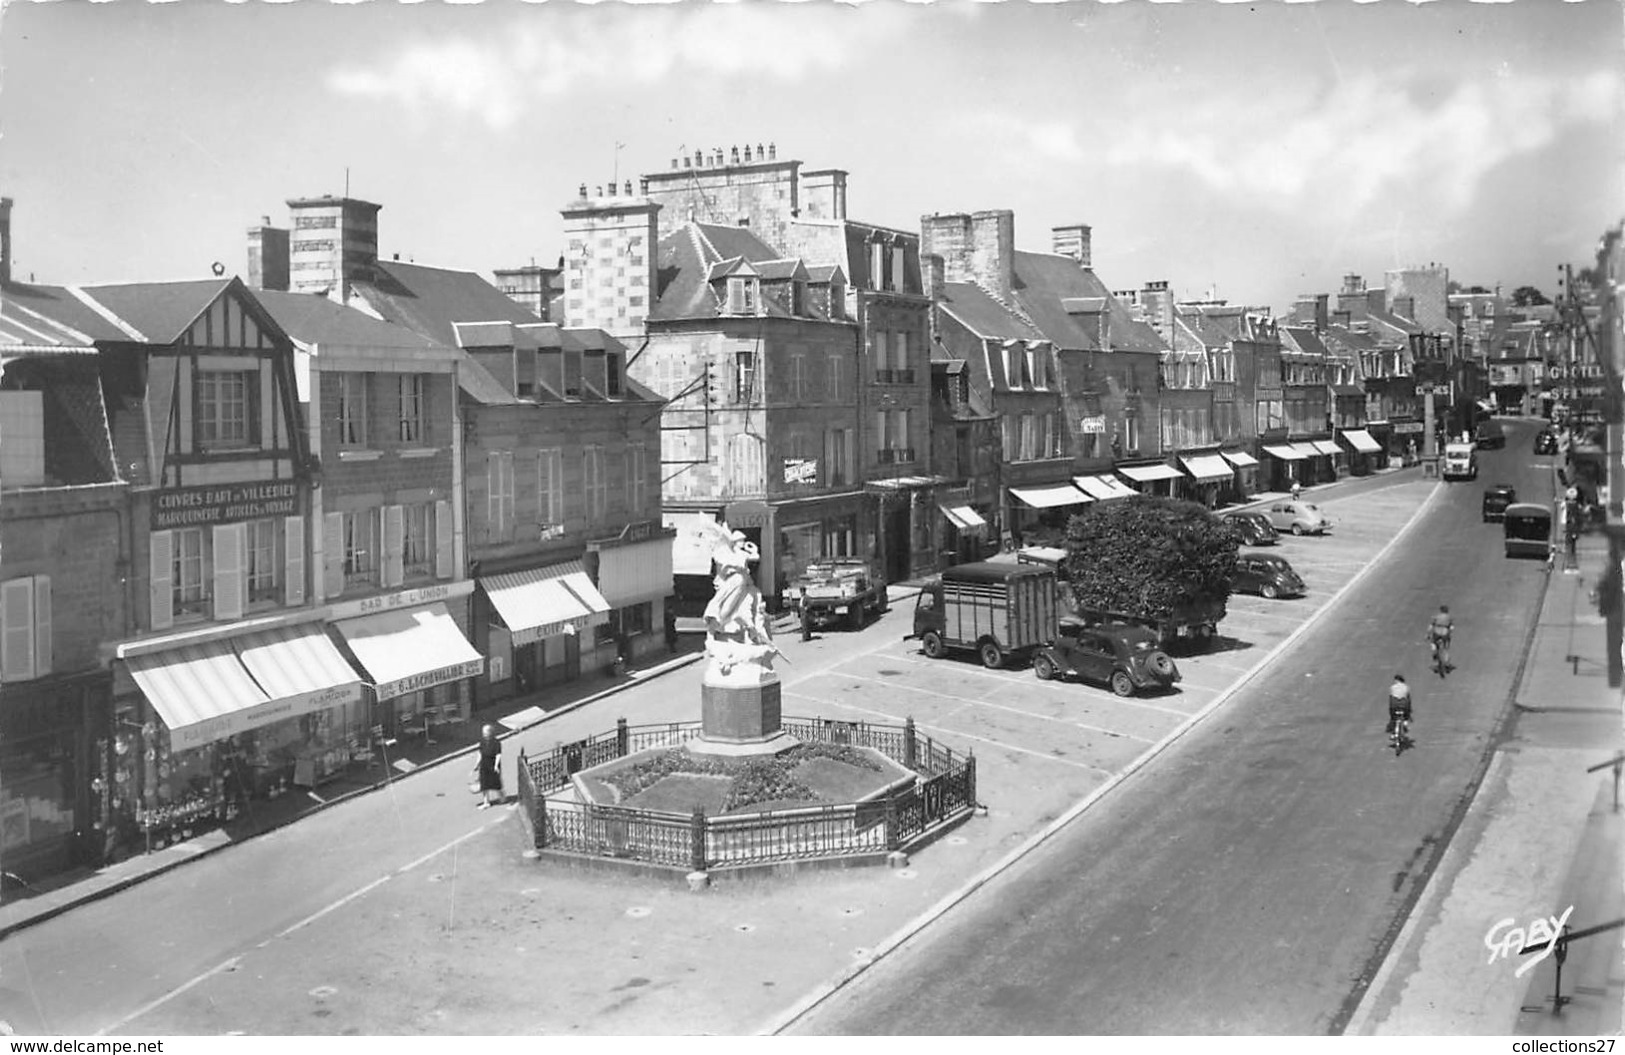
{"x":226,"y":409}
{"x":265,"y":566}
{"x":188,"y":586}
{"x":411,"y":420}
{"x":637,"y":618}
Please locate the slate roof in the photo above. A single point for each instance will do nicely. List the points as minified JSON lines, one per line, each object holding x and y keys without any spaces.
{"x":687,"y":262}
{"x":1305,"y":340}
{"x":430,"y":299}
{"x":313,"y":319}
{"x":981,"y":313}
{"x":1044,"y":282}
{"x":160,"y":311}
{"x":50,"y":316}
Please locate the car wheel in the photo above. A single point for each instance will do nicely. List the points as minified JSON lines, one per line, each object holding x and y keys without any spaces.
{"x":854,"y":617}
{"x":992,"y":658}
{"x":1122,"y":684}
{"x":1044,"y":667}
{"x":1297,"y":529}
{"x":1268,"y":592}
{"x":931,"y":644}
{"x":1162,"y":665}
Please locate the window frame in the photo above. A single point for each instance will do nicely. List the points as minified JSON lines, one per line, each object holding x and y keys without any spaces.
{"x":352,"y":409}
{"x":263,"y":587}
{"x":190,"y":599}
{"x":360,"y":564}
{"x":411,"y":420}
{"x":209,"y":404}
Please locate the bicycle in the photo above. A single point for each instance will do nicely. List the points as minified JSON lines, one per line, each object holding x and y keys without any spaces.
{"x":1441,"y":655}
{"x":1400,"y":736}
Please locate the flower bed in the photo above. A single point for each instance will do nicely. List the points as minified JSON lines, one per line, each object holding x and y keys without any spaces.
{"x":810,"y":774}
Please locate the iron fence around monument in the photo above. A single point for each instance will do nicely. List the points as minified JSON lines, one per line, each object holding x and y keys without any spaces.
{"x":944,"y":791}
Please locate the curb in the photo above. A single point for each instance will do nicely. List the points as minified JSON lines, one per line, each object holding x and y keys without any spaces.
{"x":201,"y":852}
{"x":897,"y":939}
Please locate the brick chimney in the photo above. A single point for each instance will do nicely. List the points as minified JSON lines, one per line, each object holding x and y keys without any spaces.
{"x":993,"y":250}
{"x":1072,"y":241}
{"x":334,"y":243}
{"x":823,"y":195}
{"x":5,"y":239}
{"x":268,"y":256}
{"x":931,"y":271}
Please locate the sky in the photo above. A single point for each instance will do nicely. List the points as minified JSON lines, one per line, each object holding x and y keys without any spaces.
{"x":1250,"y":151}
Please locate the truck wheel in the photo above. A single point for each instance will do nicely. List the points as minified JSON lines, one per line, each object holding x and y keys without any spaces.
{"x":992,"y":657}
{"x":931,"y":644}
{"x":1044,"y":667}
{"x":854,"y":617}
{"x":1122,"y":684}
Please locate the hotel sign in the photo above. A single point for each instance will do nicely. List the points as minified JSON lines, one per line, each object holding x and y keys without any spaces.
{"x":223,"y":503}
{"x":388,"y":690}
{"x":1095,"y":425}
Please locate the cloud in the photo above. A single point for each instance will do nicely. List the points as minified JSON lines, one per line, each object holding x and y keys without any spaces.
{"x":500,"y":78}
{"x":1366,"y":136}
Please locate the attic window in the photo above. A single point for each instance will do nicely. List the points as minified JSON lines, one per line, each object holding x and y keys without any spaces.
{"x":742,"y":294}
{"x":798,"y":298}
{"x":877,"y":265}
{"x":612,"y":374}
{"x":896,"y":279}
{"x":572,"y":375}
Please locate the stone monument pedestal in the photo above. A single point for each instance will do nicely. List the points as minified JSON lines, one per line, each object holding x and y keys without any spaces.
{"x":740,"y":714}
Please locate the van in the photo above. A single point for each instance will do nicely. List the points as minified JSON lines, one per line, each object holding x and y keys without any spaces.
{"x":1527,"y":529}
{"x":1490,"y":435}
{"x":999,"y":611}
{"x":1460,"y":462}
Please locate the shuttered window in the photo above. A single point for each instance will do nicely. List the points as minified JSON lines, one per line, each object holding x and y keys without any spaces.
{"x":550,"y":491}
{"x":499,"y":495}
{"x":293,"y":542}
{"x":444,"y":551}
{"x":230,"y":565}
{"x":188,"y":584}
{"x":25,"y":628}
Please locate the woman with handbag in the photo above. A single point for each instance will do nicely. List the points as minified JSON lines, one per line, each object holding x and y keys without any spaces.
{"x":488,"y":770}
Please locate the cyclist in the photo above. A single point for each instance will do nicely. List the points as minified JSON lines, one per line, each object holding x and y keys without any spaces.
{"x":1439,"y":628}
{"x":1399,"y":706}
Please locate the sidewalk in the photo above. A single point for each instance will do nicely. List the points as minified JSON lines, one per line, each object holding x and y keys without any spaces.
{"x":1540,"y":835}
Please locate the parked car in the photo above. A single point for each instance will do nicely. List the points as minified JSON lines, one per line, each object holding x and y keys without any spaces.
{"x":1490,"y":435}
{"x":1546,"y":442}
{"x":1126,"y":658}
{"x":1496,"y":500}
{"x":1255,"y":529}
{"x":1268,"y":576}
{"x":1300,"y":518}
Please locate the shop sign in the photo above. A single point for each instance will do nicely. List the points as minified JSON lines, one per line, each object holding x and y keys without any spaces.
{"x":188,"y":737}
{"x":531,"y":635}
{"x":749,"y":515}
{"x":635,"y":532}
{"x":801,"y":470}
{"x":223,"y":503}
{"x":388,"y":690}
{"x":1095,"y":425}
{"x":1403,"y":427}
{"x":405,"y":599}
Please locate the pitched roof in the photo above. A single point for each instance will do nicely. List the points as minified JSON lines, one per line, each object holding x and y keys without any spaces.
{"x":983,"y":315}
{"x":1044,"y":285}
{"x":689,"y":259}
{"x":313,"y":319}
{"x":430,"y":300}
{"x":50,"y":316}
{"x":159,"y":311}
{"x":1304,"y":339}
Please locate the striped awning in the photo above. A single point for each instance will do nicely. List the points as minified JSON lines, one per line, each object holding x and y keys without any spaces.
{"x":1240,"y":459}
{"x":1327,"y":447}
{"x":202,"y":692}
{"x":1361,"y":441}
{"x":1145,"y":473}
{"x":410,"y":649}
{"x":543,"y":602}
{"x":1206,"y":466}
{"x":1285,"y":451}
{"x":299,"y":664}
{"x":1102,"y":488}
{"x":1050,"y":497}
{"x":1308,"y":450}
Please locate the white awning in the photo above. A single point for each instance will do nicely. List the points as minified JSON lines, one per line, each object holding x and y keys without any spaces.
{"x":542,"y":602}
{"x":1206,"y":466}
{"x":1102,"y":488}
{"x":411,"y":649}
{"x":1240,"y":459}
{"x":1050,"y":497}
{"x":1145,"y":473}
{"x":963,"y":517}
{"x":301,"y":665}
{"x":1361,"y":441}
{"x":1308,"y":450}
{"x":1284,"y":451}
{"x":1327,"y":447}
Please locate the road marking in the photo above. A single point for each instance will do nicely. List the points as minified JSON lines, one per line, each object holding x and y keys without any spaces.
{"x":172,"y":994}
{"x":1013,"y":710}
{"x":1094,"y":692}
{"x":945,"y":731}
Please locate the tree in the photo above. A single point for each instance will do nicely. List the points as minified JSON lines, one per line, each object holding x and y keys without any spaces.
{"x":1148,"y":554}
{"x":1527,"y":296}
{"x":1453,"y":287}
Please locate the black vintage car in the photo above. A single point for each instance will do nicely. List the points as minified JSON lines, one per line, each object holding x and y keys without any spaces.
{"x":1546,"y":442}
{"x":1255,"y":529}
{"x":1268,"y":576}
{"x":1496,"y":500}
{"x":1124,"y":657}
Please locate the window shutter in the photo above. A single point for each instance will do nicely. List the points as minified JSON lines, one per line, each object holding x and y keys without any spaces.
{"x":228,"y":571}
{"x":17,"y":632}
{"x":493,"y":495}
{"x":333,"y":554}
{"x":443,"y":553}
{"x":849,"y":451}
{"x":42,"y":625}
{"x":881,"y":362}
{"x":507,"y":494}
{"x":394,"y":545}
{"x":293,"y":571}
{"x":160,"y":576}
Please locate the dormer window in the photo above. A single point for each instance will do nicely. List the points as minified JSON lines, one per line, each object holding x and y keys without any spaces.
{"x":895,"y":281}
{"x":798,"y":298}
{"x":877,"y":265}
{"x":742,"y":295}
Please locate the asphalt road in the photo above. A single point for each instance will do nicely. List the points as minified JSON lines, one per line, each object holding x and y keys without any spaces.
{"x":1249,"y":882}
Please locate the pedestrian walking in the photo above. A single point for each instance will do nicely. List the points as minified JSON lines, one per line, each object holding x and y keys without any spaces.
{"x":1297,"y":489}
{"x":806,"y":616}
{"x":671,"y":628}
{"x":488,"y":770}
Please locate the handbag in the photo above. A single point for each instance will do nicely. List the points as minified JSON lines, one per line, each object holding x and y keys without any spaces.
{"x":473,"y":787}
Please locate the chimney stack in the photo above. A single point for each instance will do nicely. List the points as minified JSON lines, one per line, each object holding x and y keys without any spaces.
{"x":825,"y":194}
{"x":979,"y":247}
{"x":933,"y":275}
{"x":1073,"y":240}
{"x":335,"y":242}
{"x":268,"y":256}
{"x":5,"y":239}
